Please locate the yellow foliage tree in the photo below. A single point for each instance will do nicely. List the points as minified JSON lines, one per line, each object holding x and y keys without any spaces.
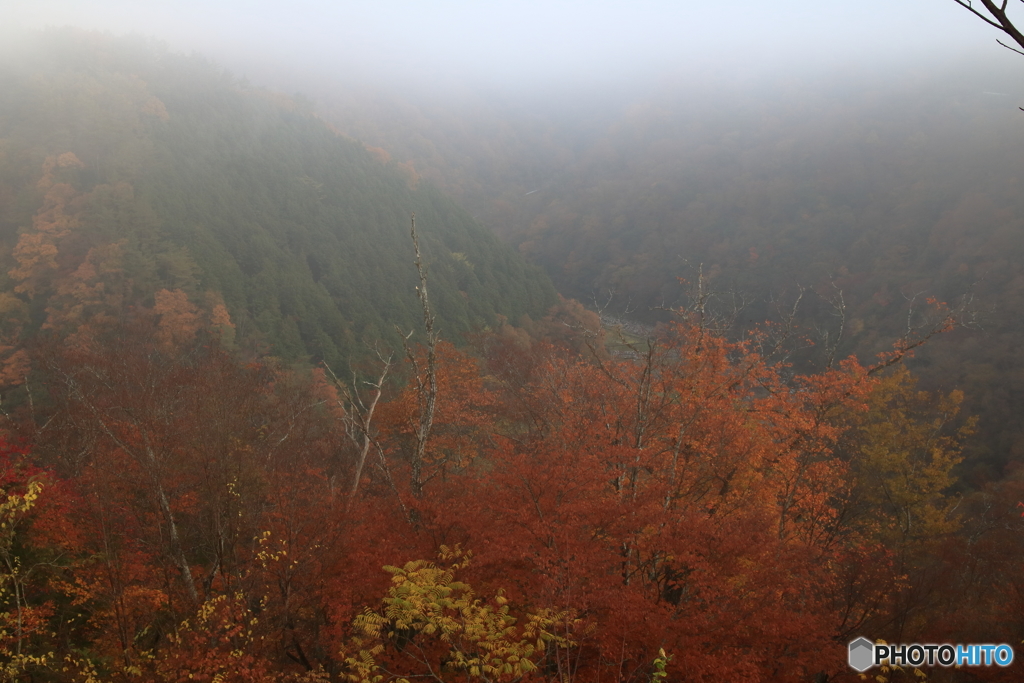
{"x":904,"y":460}
{"x":447,"y":632}
{"x":19,"y":620}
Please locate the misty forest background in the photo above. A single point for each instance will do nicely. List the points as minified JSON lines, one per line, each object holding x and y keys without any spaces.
{"x":728,"y":373}
{"x":885,"y":186}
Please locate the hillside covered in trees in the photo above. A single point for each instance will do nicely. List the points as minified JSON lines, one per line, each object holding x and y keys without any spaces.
{"x":885,"y":186}
{"x":514,"y":493}
{"x":126,"y":170}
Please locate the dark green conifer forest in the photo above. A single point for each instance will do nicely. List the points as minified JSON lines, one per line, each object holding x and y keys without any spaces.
{"x":208,"y":185}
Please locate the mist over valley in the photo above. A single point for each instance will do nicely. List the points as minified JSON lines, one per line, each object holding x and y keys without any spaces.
{"x":508,"y":341}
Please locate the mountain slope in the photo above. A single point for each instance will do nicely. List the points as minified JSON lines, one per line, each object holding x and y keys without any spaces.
{"x":158,"y":171}
{"x":889,"y":187}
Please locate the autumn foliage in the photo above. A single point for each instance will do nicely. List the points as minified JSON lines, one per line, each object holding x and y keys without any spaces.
{"x":194,"y":486}
{"x":177,"y":514}
{"x":547,"y":507}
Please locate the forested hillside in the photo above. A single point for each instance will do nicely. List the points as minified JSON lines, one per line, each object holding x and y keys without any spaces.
{"x":888,"y":187}
{"x":126,"y":170}
{"x":514,"y":493}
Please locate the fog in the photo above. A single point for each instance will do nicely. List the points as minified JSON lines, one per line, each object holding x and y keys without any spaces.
{"x":526,"y":44}
{"x":617,"y":144}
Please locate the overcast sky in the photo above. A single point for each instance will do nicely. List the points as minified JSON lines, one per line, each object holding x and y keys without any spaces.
{"x":534,"y":40}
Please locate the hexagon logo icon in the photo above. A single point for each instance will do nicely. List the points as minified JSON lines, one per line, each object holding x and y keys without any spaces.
{"x":862,"y":654}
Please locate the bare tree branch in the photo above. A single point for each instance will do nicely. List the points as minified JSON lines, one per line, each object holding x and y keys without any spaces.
{"x":426,"y":382}
{"x":996,"y":17}
{"x":358,"y":417}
